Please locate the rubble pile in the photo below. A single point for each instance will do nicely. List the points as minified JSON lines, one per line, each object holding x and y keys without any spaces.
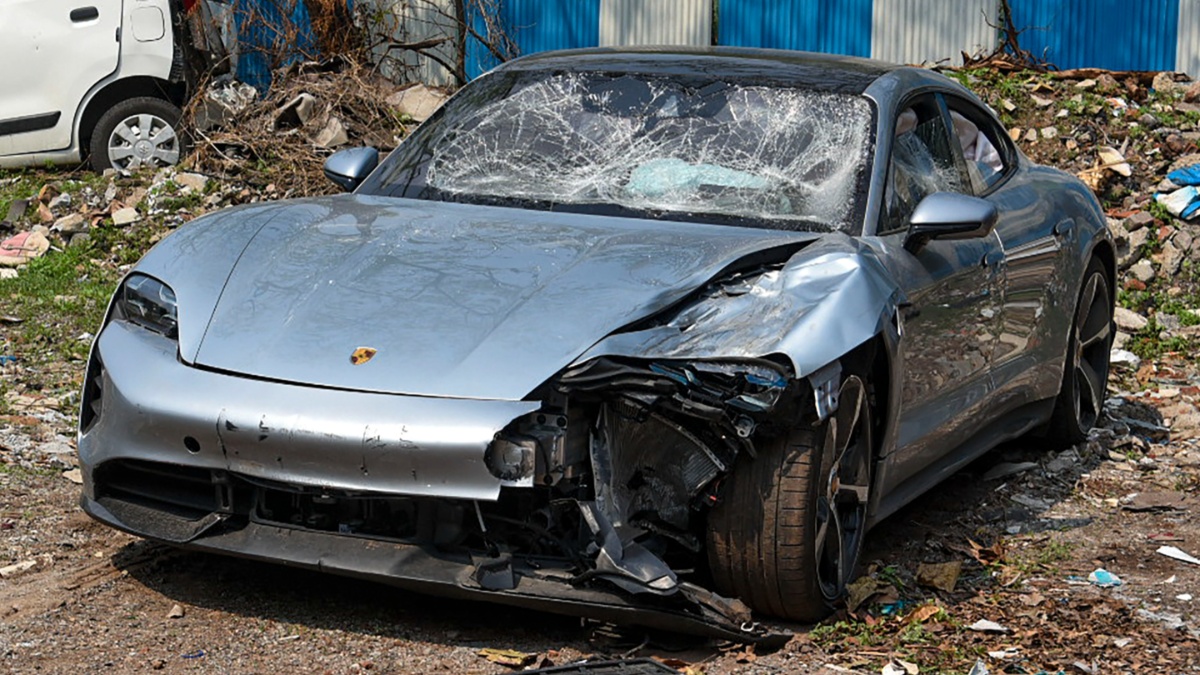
{"x":313,"y":110}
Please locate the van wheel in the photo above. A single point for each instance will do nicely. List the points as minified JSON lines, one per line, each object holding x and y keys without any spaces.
{"x":137,"y":132}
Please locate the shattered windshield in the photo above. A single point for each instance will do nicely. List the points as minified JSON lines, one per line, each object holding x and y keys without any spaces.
{"x":649,"y":146}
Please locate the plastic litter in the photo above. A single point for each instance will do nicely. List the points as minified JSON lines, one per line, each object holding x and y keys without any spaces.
{"x":900,"y":667}
{"x":980,"y":668}
{"x":1173,"y":552}
{"x":1184,"y":202}
{"x":985,"y":626}
{"x":1104,"y":579}
{"x":198,"y":654}
{"x":1186,"y":176}
{"x":890,"y":608}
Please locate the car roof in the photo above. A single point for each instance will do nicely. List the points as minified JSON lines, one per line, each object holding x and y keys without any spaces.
{"x":819,"y":72}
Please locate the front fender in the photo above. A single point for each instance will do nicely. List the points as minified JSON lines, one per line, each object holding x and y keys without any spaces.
{"x":826,"y":300}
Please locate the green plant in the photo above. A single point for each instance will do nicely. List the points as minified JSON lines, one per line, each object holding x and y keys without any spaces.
{"x":1156,"y":209}
{"x":1148,"y":344}
{"x":891,"y":575}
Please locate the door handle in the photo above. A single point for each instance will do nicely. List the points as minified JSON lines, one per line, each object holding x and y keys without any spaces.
{"x":84,"y":14}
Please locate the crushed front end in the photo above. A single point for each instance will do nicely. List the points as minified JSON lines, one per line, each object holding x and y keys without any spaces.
{"x":588,"y":498}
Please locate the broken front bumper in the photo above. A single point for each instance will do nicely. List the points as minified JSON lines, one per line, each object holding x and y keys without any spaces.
{"x":427,"y":570}
{"x":215,"y":462}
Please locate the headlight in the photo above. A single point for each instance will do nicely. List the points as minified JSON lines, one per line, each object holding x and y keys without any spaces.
{"x":148,"y":303}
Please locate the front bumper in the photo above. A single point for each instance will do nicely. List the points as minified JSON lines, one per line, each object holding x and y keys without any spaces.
{"x":426,"y":570}
{"x":199,"y":459}
{"x":155,"y":408}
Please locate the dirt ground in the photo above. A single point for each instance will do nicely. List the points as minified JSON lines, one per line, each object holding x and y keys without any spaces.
{"x":98,"y":600}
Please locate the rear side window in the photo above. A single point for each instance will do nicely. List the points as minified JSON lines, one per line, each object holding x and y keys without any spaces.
{"x":985,"y":146}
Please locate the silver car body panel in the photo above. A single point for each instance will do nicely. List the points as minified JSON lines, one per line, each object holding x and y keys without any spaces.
{"x":322,"y":438}
{"x":828,"y":299}
{"x":514,"y":296}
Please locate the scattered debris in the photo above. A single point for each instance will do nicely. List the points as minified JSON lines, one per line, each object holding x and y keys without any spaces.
{"x":986,"y":626}
{"x":1006,"y":469}
{"x":508,"y":657}
{"x":313,"y":109}
{"x":1177,"y":554}
{"x":1155,"y":501}
{"x":125,"y":216}
{"x":19,"y":249}
{"x":418,"y":102}
{"x":14,"y":569}
{"x":176,"y":611}
{"x":1104,"y":579}
{"x":900,"y":667}
{"x":942,"y":576}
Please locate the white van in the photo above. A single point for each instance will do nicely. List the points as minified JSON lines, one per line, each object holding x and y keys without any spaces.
{"x":103,"y":79}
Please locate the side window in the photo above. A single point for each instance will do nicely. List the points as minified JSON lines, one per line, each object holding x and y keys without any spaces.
{"x":984,"y":144}
{"x":925,"y":159}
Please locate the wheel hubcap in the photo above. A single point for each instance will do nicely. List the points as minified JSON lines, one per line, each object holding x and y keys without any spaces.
{"x":143,"y":140}
{"x":842,"y":505}
{"x":1093,"y":338}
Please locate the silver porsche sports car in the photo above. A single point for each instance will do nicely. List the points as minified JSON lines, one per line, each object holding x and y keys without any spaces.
{"x":652,"y":337}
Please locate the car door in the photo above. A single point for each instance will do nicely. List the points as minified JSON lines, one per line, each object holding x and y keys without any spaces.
{"x":953,"y":290}
{"x":53,"y":52}
{"x":1033,"y":236}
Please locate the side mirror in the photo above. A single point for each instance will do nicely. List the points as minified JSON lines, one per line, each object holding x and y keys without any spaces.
{"x":349,"y":168}
{"x":949,"y":215}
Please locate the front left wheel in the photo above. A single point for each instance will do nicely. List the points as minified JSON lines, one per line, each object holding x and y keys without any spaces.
{"x":137,"y":132}
{"x":787,"y":534}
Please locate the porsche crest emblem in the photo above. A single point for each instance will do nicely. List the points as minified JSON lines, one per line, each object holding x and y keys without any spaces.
{"x":362,"y":355}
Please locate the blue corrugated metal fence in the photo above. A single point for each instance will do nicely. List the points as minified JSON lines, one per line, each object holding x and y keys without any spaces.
{"x":537,"y":26}
{"x":1113,"y":34}
{"x":271,"y":33}
{"x":836,"y":27}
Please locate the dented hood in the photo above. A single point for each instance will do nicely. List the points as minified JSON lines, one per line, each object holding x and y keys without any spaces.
{"x":456,"y":300}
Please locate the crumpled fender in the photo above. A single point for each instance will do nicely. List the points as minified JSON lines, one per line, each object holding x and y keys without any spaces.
{"x":827,"y":299}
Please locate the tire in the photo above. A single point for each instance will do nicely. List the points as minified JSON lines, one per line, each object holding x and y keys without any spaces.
{"x":766,"y":542}
{"x":137,"y":132}
{"x":1085,"y":372}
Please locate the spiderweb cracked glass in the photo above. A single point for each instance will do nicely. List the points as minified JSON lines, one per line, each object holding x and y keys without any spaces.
{"x":653,"y":144}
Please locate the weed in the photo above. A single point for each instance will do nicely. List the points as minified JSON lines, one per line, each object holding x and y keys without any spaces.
{"x":891,"y":575}
{"x":1156,"y":209}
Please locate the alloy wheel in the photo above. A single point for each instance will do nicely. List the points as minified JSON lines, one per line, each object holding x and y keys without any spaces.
{"x":1093,"y":337}
{"x":845,"y":482}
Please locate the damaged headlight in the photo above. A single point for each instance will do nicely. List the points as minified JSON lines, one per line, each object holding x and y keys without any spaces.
{"x":512,"y":460}
{"x":531,"y":449}
{"x":149,"y":303}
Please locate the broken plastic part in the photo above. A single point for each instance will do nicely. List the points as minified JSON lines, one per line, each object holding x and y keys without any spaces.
{"x":626,"y":564}
{"x":825,"y":382}
{"x":655,"y":144}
